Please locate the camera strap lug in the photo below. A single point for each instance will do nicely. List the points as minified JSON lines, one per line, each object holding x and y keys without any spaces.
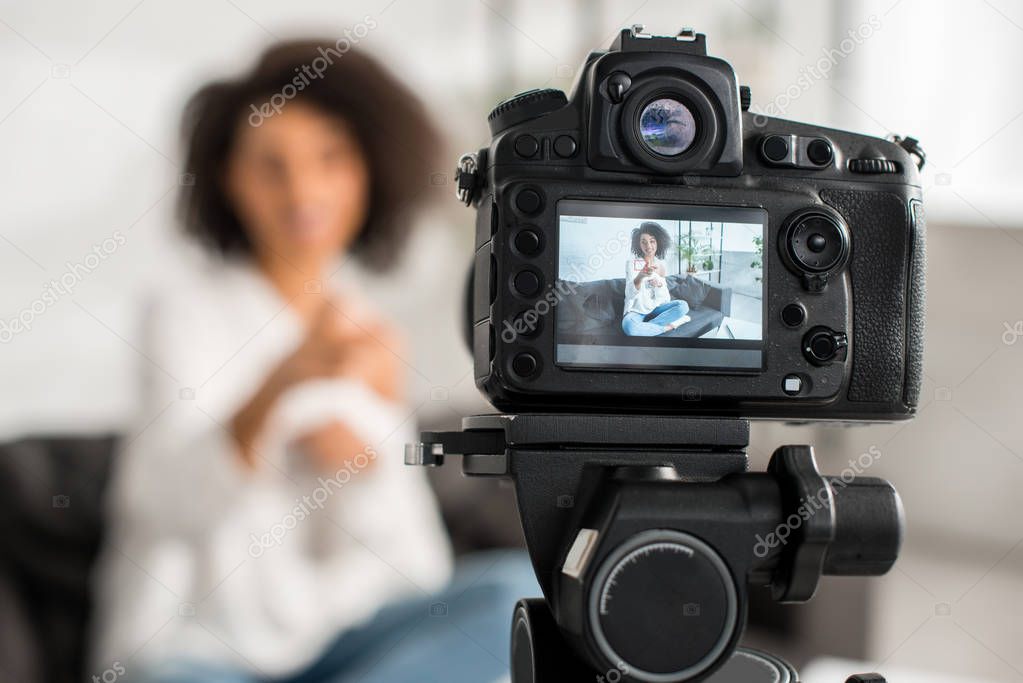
{"x":912,"y":145}
{"x":467,"y":178}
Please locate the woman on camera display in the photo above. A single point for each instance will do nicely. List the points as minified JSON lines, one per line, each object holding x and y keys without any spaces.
{"x":263,"y":526}
{"x":649,"y":309}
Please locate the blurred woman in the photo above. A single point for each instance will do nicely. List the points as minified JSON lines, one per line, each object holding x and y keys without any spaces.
{"x":262,"y":525}
{"x":649,"y":309}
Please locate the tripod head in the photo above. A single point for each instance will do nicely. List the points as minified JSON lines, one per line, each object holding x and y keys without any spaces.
{"x":646,"y":531}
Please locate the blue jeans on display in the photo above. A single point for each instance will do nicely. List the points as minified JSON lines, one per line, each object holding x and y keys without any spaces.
{"x":653,"y":323}
{"x":460,"y":635}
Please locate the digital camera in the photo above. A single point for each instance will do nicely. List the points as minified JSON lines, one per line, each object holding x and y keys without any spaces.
{"x":649,"y":245}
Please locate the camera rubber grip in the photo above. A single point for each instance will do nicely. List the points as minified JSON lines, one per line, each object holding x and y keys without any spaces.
{"x":917,"y":305}
{"x":879,"y":270}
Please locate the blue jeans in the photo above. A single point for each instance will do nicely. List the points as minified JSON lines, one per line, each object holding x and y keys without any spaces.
{"x":653,"y":323}
{"x":460,"y":635}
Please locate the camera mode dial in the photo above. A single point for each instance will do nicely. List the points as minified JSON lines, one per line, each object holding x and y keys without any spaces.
{"x":525,"y":106}
{"x":664,"y":605}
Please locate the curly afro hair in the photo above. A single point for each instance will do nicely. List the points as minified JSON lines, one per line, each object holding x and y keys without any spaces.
{"x":398,"y":138}
{"x":657,"y":232}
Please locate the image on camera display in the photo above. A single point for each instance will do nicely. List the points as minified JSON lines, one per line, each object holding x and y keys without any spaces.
{"x":660,"y":285}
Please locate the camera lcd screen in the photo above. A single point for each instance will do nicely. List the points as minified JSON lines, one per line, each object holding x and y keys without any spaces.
{"x":660,"y":286}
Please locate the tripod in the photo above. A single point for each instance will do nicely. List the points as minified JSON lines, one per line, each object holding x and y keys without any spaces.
{"x":645,"y":531}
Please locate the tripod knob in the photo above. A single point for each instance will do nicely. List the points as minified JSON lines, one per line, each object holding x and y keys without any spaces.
{"x":663,"y":606}
{"x":869,"y":523}
{"x":538,"y":652}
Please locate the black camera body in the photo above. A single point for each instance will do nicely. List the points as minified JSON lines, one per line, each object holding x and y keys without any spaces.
{"x":786,"y":273}
{"x":655,"y":264}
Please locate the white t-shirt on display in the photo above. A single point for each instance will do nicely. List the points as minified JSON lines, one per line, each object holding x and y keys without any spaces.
{"x":652,"y":292}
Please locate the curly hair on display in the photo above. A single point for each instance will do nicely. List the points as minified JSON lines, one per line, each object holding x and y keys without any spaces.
{"x":397,"y":137}
{"x":657,"y":232}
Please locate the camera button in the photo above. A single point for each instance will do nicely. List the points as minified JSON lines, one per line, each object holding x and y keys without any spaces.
{"x":528,"y":201}
{"x":819,"y":152}
{"x":793,"y":315}
{"x":527,"y":324}
{"x":792,"y":384}
{"x":821,"y":345}
{"x":775,"y":148}
{"x":527,"y":283}
{"x":528,"y":242}
{"x":817,"y":242}
{"x":526,"y":146}
{"x":525,"y":365}
{"x":564,"y":146}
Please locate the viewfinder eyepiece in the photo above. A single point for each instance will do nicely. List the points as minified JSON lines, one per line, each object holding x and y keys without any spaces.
{"x":667,"y":126}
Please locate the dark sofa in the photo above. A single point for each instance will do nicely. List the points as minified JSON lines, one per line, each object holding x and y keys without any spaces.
{"x":50,"y":530}
{"x":595,"y":308}
{"x":51,"y":527}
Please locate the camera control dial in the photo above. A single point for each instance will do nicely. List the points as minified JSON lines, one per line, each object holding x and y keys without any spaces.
{"x":815,"y":245}
{"x":663,"y":606}
{"x":525,"y":106}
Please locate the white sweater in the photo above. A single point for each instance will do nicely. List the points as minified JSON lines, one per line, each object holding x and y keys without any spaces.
{"x":652,"y":292}
{"x":255,"y":569}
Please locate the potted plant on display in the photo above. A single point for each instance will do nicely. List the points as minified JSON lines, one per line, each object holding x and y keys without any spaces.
{"x":698,"y":251}
{"x":758,"y":258}
{"x":688,"y":250}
